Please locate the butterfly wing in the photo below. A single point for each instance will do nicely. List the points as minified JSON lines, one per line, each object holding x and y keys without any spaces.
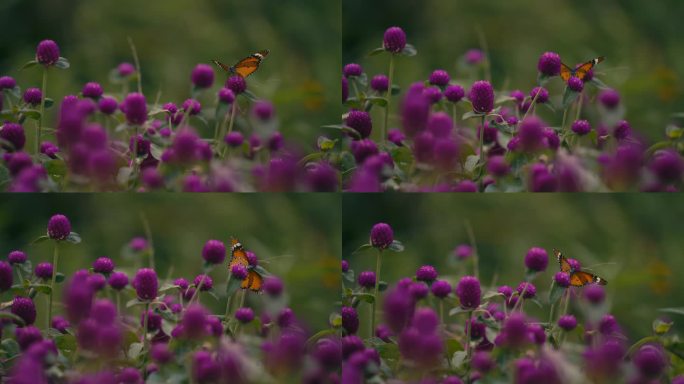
{"x":566,"y":72}
{"x":253,"y":281}
{"x":249,"y":64}
{"x":238,"y":255}
{"x":582,"y":70}
{"x":581,"y":278}
{"x":220,"y":64}
{"x":562,"y":261}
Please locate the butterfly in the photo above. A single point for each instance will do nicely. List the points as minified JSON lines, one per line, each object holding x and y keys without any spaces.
{"x":253,"y":281}
{"x":577,"y":278}
{"x":581,"y":71}
{"x":246,"y":66}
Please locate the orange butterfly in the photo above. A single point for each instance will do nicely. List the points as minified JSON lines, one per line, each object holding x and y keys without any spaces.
{"x":246,"y":66}
{"x":577,"y":278}
{"x":253,"y":281}
{"x":581,"y":71}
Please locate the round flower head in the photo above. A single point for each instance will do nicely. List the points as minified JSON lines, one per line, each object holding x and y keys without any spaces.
{"x":360,"y":121}
{"x":581,"y":127}
{"x":622,"y":130}
{"x":263,"y":110}
{"x":594,"y":293}
{"x":396,"y":136}
{"x":650,"y":361}
{"x":441,"y":288}
{"x":562,"y":279}
{"x":146,"y":284}
{"x":238,"y":271}
{"x":527,"y":290}
{"x":567,"y":322}
{"x":668,"y":166}
{"x":363,"y":149}
{"x":214,"y":252}
{"x":541,"y":94}
{"x":16,"y":257}
{"x":192,"y":107}
{"x":125,"y":69}
{"x":103,"y":265}
{"x":474,"y":56}
{"x":481,"y":95}
{"x":44,"y":271}
{"x":536,"y":259}
{"x":160,"y":353}
{"x":194,"y":321}
{"x":381,"y":236}
{"x":463,"y":251}
{"x":107,"y":105}
{"x":237,"y":84}
{"x":234,"y":139}
{"x":415,"y":110}
{"x":97,"y":281}
{"x":118,"y":280}
{"x":575,"y":84}
{"x":345,"y":266}
{"x":380,"y":83}
{"x":367,"y":279}
{"x":483,"y":362}
{"x":515,"y":331}
{"x":394,"y":40}
{"x":59,"y":227}
{"x":549,"y":64}
{"x":497,"y":166}
{"x":27,"y":336}
{"x":33,"y":96}
{"x":439,"y":77}
{"x":47,"y":53}
{"x":206,"y":282}
{"x":454,"y":93}
{"x":25,"y":309}
{"x":609,"y":98}
{"x":202,"y":76}
{"x":531,"y":134}
{"x":7,"y":82}
{"x":433,"y":94}
{"x":352,"y":70}
{"x":322,"y":177}
{"x":466,"y":186}
{"x":426,"y":273}
{"x":226,"y":96}
{"x":92,"y":90}
{"x":59,"y":323}
{"x":469,"y":292}
{"x":440,"y":124}
{"x":244,"y":315}
{"x":350,"y":320}
{"x":273,"y":286}
{"x":419,"y":290}
{"x":134,"y":107}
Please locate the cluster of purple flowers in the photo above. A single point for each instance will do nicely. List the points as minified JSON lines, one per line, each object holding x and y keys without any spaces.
{"x":425,"y":338}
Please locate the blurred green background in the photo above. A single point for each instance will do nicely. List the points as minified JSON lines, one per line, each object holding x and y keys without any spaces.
{"x":633,"y":240}
{"x":296,"y":237}
{"x":640,"y":40}
{"x":173,"y":36}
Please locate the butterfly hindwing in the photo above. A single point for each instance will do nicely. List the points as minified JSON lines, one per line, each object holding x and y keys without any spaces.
{"x":253,"y":281}
{"x":577,"y":278}
{"x":580,"y":71}
{"x":246,"y":66}
{"x":566,"y":72}
{"x":562,"y":261}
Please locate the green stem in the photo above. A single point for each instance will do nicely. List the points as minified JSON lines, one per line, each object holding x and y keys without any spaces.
{"x":534,"y":101}
{"x":197,"y":290}
{"x":482,"y":129}
{"x":118,"y":302}
{"x":467,"y":346}
{"x":390,"y":77}
{"x":453,"y":113}
{"x":565,"y":116}
{"x":231,"y":118}
{"x":473,"y":245}
{"x":55,"y":260}
{"x":579,"y":106}
{"x":228,"y":300}
{"x":375,"y":292}
{"x":39,"y":133}
{"x":242,"y":298}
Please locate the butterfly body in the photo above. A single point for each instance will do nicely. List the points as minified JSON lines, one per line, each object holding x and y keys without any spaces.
{"x":253,"y":281}
{"x":577,"y":278}
{"x":580,"y":71}
{"x":246,"y":66}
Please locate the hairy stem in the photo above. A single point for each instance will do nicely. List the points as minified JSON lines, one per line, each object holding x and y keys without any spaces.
{"x":55,"y":260}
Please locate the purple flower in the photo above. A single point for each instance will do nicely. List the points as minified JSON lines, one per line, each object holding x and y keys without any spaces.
{"x":497,"y":166}
{"x":440,"y":124}
{"x":160,"y":353}
{"x":531,"y":134}
{"x":562,"y":279}
{"x":107,"y":105}
{"x":185,"y":145}
{"x":549,"y":64}
{"x":439,"y":77}
{"x":466,"y":186}
{"x":237,"y":84}
{"x":192,"y":107}
{"x":345,"y":266}
{"x":541,"y":180}
{"x":650,"y":361}
{"x":536,"y":259}
{"x":433,"y":94}
{"x":463,"y":251}
{"x":668,"y":166}
{"x":59,"y":323}
{"x":321,"y":177}
{"x":474,"y":56}
{"x":238,"y":271}
{"x":118,"y":280}
{"x":97,"y":282}
{"x":575,"y":84}
{"x":482,"y":96}
{"x":360,"y":121}
{"x":394,"y":40}
{"x":380,"y":83}
{"x":273,"y":286}
{"x":609,"y":98}
{"x":541,"y":94}
{"x":33,"y":96}
{"x":14,"y":134}
{"x":146,"y":284}
{"x":59,"y":227}
{"x":194,"y":321}
{"x":608,"y":325}
{"x":47,"y":53}
{"x":363,"y":149}
{"x":16,"y":257}
{"x":214,"y":252}
{"x":7,"y":82}
{"x":92,"y":90}
{"x":483,"y":362}
{"x":398,"y":306}
{"x":125,"y":69}
{"x":415,"y":110}
{"x":350,"y":320}
{"x":138,"y":244}
{"x":469,"y":292}
{"x":134,"y":107}
{"x":426,"y":273}
{"x":441,"y":288}
{"x":202,"y":76}
{"x":454,"y":93}
{"x":581,"y":127}
{"x":328,"y":352}
{"x":244,"y":315}
{"x":594,"y":293}
{"x":226,"y":96}
{"x":514,"y":331}
{"x":78,"y":296}
{"x":206,"y":282}
{"x":381,"y":236}
{"x":527,"y":290}
{"x":567,"y":322}
{"x":28,"y":336}
{"x":263,"y":110}
{"x":276,"y":142}
{"x":44,"y":271}
{"x":234,"y":139}
{"x":25,"y":309}
{"x":103,"y":265}
{"x":352,"y":69}
{"x":367,"y":279}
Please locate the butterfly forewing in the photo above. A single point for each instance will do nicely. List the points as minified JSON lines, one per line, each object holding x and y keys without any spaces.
{"x":577,"y":278}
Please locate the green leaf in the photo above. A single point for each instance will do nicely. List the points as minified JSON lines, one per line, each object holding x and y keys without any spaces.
{"x":59,"y":277}
{"x":49,"y":102}
{"x":458,"y":311}
{"x":42,"y":288}
{"x":134,"y":350}
{"x":29,"y":64}
{"x":10,"y":315}
{"x":325,"y":144}
{"x":319,"y":335}
{"x":396,"y":246}
{"x":382,"y":286}
{"x":73,"y":238}
{"x":56,"y":168}
{"x":673,"y":132}
{"x":335,"y":320}
{"x":40,"y":239}
{"x":62,"y":63}
{"x":471,"y":163}
{"x":396,"y":89}
{"x":678,"y":311}
{"x":376,"y":51}
{"x":458,"y":359}
{"x":556,"y":292}
{"x":598,"y":83}
{"x":471,"y":114}
{"x":349,"y":276}
{"x":11,"y":347}
{"x":661,"y":327}
{"x":232,"y":286}
{"x":409,"y":50}
{"x":66,"y":343}
{"x":542,"y":79}
{"x":503,"y":99}
{"x":569,"y":97}
{"x":134,"y":302}
{"x":377,"y":100}
{"x":362,"y":248}
{"x":388,"y":351}
{"x":658,"y":146}
{"x":491,"y":294}
{"x":31,"y":114}
{"x":367,"y":297}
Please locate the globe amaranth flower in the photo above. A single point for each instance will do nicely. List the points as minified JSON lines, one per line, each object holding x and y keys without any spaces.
{"x":194,"y":321}
{"x":380,"y":83}
{"x":33,"y":96}
{"x":47,"y":53}
{"x":273,"y":286}
{"x":237,"y":84}
{"x":415,"y":110}
{"x":433,"y":94}
{"x":13,"y":134}
{"x":541,"y":95}
{"x":28,"y":336}
{"x":581,"y":127}
{"x":350,"y":320}
{"x":426,"y":273}
{"x":562,"y":279}
{"x":202,"y":76}
{"x":60,"y":323}
{"x":398,"y":306}
{"x":441,"y":288}
{"x":7,"y":82}
{"x":466,"y":186}
{"x":454,"y":93}
{"x":134,"y":107}
{"x":609,"y":98}
{"x":160,"y":353}
{"x":103,"y":265}
{"x":263,"y":110}
{"x":527,"y":290}
{"x":118,"y":280}
{"x":381,"y":236}
{"x":575,"y":84}
{"x":497,"y":166}
{"x":514,"y":332}
{"x":469,"y":292}
{"x":244,"y":315}
{"x":203,"y":282}
{"x":92,"y":90}
{"x":419,"y":290}
{"x":214,"y":252}
{"x":536,"y":259}
{"x":234,"y":139}
{"x":463,"y":251}
{"x":352,"y":70}
{"x":125,"y":69}
{"x":322,"y":177}
{"x":59,"y":227}
{"x":345,"y":266}
{"x":360,"y":121}
{"x":328,"y":353}
{"x":474,"y":56}
{"x":549,"y":64}
{"x":44,"y":271}
{"x":363,"y":149}
{"x":481,"y":95}
{"x":567,"y":322}
{"x":345,"y":89}
{"x":650,"y":361}
{"x":440,"y":124}
{"x":594,"y":293}
{"x":97,"y":281}
{"x":394,"y":40}
{"x":439,"y":77}
{"x":667,"y":166}
{"x":367,"y":279}
{"x":107,"y":105}
{"x":192,"y":107}
{"x":146,"y":284}
{"x":25,"y":309}
{"x":16,"y":257}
